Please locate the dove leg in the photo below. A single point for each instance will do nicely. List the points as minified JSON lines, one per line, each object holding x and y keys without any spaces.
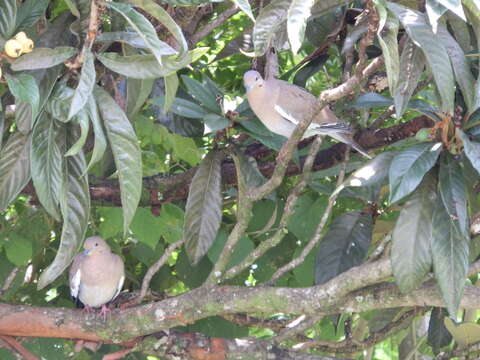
{"x":105,"y":310}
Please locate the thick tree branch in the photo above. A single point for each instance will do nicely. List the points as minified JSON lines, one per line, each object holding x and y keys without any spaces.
{"x":334,"y":296}
{"x":163,"y":188}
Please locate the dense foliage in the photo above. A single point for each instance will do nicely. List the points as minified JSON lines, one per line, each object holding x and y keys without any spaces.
{"x":127,"y":120}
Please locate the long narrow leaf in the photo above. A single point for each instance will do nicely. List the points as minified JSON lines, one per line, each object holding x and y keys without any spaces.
{"x":203,"y":212}
{"x":75,"y":208}
{"x":46,"y":163}
{"x":85,"y":85}
{"x":14,"y":167}
{"x":126,"y":152}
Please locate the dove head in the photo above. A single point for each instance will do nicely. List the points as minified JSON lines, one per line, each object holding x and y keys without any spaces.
{"x":252,"y":79}
{"x":95,"y":245}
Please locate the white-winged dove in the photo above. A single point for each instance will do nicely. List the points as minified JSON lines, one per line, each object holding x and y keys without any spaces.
{"x":96,"y":275}
{"x":280,"y":106}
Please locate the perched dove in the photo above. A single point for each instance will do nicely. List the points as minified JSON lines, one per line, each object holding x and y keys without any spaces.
{"x":281,"y":106}
{"x":96,"y":275}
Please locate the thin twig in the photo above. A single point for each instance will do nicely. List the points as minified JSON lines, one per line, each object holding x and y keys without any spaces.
{"x":288,"y":210}
{"x":291,"y":331}
{"x":9,"y":280}
{"x":348,"y":86}
{"x":90,"y":39}
{"x":352,"y":345}
{"x":215,"y":23}
{"x":251,"y":321}
{"x":318,"y":232}
{"x":152,"y":270}
{"x":27,"y":355}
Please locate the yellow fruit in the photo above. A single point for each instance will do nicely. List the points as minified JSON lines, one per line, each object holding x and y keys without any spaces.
{"x":13,"y":48}
{"x":21,"y":36}
{"x":27,"y":46}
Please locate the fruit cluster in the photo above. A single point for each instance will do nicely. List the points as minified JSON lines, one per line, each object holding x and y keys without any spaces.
{"x":18,"y":45}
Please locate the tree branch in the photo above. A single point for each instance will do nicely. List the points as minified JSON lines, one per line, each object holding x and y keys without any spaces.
{"x":335,"y":296}
{"x":215,"y":23}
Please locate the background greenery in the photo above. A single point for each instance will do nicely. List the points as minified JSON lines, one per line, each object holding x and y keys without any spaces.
{"x":104,"y":124}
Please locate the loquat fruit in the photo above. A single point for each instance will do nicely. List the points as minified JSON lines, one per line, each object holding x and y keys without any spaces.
{"x":13,"y":48}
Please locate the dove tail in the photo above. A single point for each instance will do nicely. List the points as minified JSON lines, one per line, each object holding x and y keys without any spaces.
{"x":357,"y":147}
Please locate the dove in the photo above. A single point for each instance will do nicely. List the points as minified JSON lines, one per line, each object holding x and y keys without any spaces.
{"x":280,"y":106}
{"x":96,"y":275}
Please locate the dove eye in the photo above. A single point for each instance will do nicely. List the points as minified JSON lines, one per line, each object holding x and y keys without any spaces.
{"x":96,"y":244}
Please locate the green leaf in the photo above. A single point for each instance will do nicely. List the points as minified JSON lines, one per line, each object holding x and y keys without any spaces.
{"x":30,"y":12}
{"x":73,"y":7}
{"x":215,"y":122}
{"x":182,"y":107}
{"x":2,"y":124}
{"x":258,"y":131}
{"x":23,"y":116}
{"x":435,"y":11}
{"x":131,"y":38}
{"x":412,"y":64}
{"x":411,"y":256}
{"x":138,"y":92}
{"x":297,"y":16}
{"x":203,"y":212}
{"x":59,"y":102}
{"x":75,"y":209}
{"x":371,"y":100}
{"x":471,"y":149}
{"x":145,"y":29}
{"x":190,"y":2}
{"x":140,"y":66}
{"x":85,"y":85}
{"x":112,"y":223}
{"x":464,"y":333}
{"x":18,"y":249}
{"x":460,"y":64}
{"x":24,"y":87}
{"x":8,"y":18}
{"x":217,"y":326}
{"x":378,"y":319}
{"x":171,"y":87}
{"x":82,"y":120}
{"x":42,"y":58}
{"x":100,"y":141}
{"x":126,"y":152}
{"x":420,"y":32}
{"x":387,"y":37}
{"x":304,"y":220}
{"x":268,"y":22}
{"x":409,"y":167}
{"x":164,"y":17}
{"x":452,"y":189}
{"x":454,"y":6}
{"x":146,"y":227}
{"x":242,"y":249}
{"x":438,"y":335}
{"x":344,"y":246}
{"x":244,"y":5}
{"x":450,"y":257}
{"x":14,"y":167}
{"x":372,"y":173}
{"x":203,"y":95}
{"x":310,"y":69}
{"x":186,"y":149}
{"x":249,"y":175}
{"x":171,"y":219}
{"x":46,"y":163}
